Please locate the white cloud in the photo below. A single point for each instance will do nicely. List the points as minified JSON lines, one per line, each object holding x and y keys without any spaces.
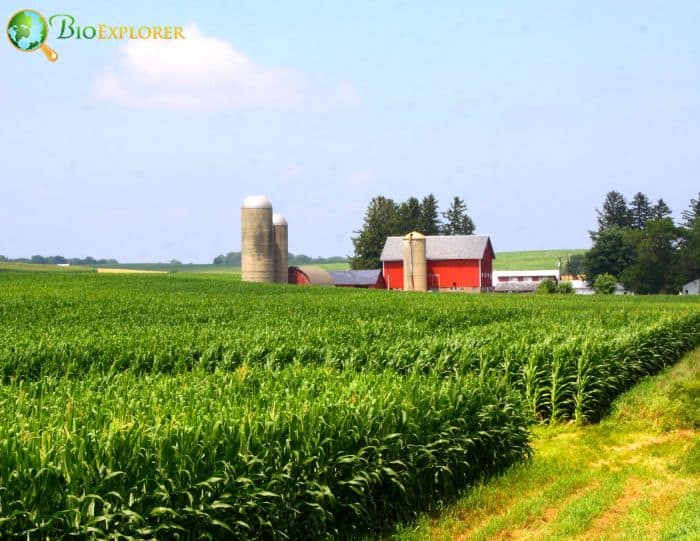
{"x":198,"y":72}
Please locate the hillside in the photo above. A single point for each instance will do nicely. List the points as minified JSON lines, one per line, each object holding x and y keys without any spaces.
{"x":533,"y":259}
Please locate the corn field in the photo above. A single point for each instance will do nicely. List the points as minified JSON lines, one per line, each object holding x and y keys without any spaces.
{"x":189,"y":407}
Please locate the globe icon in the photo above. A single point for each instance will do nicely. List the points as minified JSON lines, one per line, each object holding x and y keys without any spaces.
{"x":27,"y":31}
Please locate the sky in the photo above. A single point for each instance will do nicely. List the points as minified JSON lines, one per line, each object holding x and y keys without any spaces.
{"x":143,"y":150}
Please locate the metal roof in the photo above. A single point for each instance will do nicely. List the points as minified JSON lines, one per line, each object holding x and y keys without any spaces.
{"x":316,"y":275}
{"x":355,"y":277}
{"x":441,"y":247}
{"x":554,"y":273}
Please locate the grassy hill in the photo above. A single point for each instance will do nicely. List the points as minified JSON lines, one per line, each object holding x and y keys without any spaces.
{"x":534,"y":259}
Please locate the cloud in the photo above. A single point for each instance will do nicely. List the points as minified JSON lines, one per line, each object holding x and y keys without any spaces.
{"x":199,"y":72}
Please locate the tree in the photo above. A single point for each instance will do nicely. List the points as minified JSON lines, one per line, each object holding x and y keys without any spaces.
{"x":175,"y":262}
{"x":612,"y":252}
{"x":430,"y":221}
{"x":380,"y":223}
{"x":614,"y":213}
{"x":692,"y":214}
{"x":575,"y":266}
{"x":654,"y":269}
{"x":565,"y":288}
{"x":547,"y":286}
{"x":457,"y":221}
{"x":689,"y":254}
{"x":604,"y":284}
{"x":660,"y":210}
{"x":409,"y":216}
{"x":640,"y":211}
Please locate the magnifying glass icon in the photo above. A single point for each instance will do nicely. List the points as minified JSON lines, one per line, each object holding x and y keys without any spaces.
{"x":27,"y":31}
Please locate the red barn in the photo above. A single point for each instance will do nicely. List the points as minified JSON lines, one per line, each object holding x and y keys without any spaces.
{"x":457,"y":262}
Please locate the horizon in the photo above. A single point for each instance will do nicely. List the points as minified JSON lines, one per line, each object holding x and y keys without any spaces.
{"x":143,"y":151}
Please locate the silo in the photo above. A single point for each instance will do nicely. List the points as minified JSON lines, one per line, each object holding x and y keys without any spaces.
{"x":415,"y":264}
{"x":281,"y":246}
{"x":257,"y":264}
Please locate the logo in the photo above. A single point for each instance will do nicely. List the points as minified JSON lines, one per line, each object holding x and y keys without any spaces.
{"x":27,"y":31}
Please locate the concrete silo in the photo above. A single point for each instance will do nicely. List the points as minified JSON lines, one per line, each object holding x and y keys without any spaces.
{"x":280,"y":248}
{"x":415,"y":263}
{"x":257,"y":240}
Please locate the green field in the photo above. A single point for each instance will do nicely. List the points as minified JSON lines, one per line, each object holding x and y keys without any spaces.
{"x":31,"y":267}
{"x":534,"y":259}
{"x":157,"y":405}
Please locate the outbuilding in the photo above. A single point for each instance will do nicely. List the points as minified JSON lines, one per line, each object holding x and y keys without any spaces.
{"x":309,"y":275}
{"x":691,"y":288}
{"x":454,"y":263}
{"x":369,"y":279}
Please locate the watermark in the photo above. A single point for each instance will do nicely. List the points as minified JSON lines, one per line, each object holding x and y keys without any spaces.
{"x":28,"y":30}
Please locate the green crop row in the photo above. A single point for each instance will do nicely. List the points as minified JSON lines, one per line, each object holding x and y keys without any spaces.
{"x":303,"y":452}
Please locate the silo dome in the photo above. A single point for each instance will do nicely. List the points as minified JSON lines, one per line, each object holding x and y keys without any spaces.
{"x":278,"y":219}
{"x":256,"y":202}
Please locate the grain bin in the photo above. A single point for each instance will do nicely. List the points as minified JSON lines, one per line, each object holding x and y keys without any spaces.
{"x":415,"y":264}
{"x":281,"y":244}
{"x":257,"y":259}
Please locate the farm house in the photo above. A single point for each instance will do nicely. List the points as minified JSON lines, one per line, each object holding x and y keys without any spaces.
{"x":453,"y":263}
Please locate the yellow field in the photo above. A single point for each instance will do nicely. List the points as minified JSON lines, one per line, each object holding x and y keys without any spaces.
{"x":129,"y":271}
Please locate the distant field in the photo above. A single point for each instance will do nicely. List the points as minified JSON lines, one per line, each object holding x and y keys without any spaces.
{"x":203,"y":268}
{"x":534,"y":259}
{"x":186,"y":268}
{"x":6,"y":266}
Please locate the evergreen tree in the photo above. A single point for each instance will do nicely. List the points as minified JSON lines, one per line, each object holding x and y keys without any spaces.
{"x":409,"y":217}
{"x":692,"y":214}
{"x":614,"y":213}
{"x":660,"y":210}
{"x":640,"y":211}
{"x":430,"y":222}
{"x":380,"y":223}
{"x":457,"y":221}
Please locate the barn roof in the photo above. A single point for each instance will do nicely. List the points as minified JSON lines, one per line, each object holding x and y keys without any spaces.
{"x":316,"y":275}
{"x":442,"y":247}
{"x":355,"y":277}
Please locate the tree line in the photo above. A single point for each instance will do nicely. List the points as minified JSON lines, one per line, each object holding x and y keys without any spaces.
{"x":234,"y":258}
{"x":385,"y":218}
{"x":60,"y":260}
{"x":641,"y":246}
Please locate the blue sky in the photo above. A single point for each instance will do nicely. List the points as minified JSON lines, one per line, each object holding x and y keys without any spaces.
{"x":530,"y":111}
